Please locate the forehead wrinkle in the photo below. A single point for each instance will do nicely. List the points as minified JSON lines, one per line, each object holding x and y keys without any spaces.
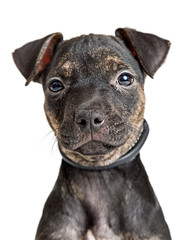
{"x":101,"y":57}
{"x":105,"y":58}
{"x":108,"y":59}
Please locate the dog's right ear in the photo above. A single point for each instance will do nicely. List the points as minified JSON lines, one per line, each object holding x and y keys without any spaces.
{"x":34,"y":57}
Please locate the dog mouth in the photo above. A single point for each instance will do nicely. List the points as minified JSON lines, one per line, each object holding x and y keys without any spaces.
{"x":95,"y":148}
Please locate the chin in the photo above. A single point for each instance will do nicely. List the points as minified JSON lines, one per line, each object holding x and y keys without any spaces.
{"x":97,"y":154}
{"x":95,"y":148}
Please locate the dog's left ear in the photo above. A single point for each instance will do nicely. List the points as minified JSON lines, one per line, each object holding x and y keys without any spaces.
{"x":148,"y":49}
{"x":34,"y":57}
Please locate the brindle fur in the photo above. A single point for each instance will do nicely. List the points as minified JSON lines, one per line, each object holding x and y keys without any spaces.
{"x":115,"y":204}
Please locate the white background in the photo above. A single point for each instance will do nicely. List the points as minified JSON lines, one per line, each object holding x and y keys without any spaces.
{"x":30,"y":162}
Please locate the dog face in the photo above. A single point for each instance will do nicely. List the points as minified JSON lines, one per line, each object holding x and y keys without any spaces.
{"x":94,"y":99}
{"x":94,"y":89}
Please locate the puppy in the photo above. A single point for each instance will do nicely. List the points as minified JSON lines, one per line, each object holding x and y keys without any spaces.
{"x":94,"y":103}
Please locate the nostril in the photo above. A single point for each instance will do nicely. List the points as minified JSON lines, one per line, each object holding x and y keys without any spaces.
{"x":82,"y":122}
{"x":98,"y":121}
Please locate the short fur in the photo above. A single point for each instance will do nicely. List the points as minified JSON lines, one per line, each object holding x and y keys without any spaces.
{"x":96,"y":120}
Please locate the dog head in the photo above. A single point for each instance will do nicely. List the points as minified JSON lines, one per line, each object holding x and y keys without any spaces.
{"x":94,"y":89}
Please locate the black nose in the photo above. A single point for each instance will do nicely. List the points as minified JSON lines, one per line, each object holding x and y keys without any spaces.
{"x":89,"y":120}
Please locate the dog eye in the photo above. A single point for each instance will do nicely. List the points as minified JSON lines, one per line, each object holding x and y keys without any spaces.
{"x":125,"y":79}
{"x":56,"y":86}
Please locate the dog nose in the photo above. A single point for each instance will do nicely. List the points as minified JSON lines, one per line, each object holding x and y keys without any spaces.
{"x":89,"y":120}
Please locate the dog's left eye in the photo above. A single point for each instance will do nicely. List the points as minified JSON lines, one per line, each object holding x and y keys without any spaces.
{"x":56,"y":86}
{"x":125,"y":79}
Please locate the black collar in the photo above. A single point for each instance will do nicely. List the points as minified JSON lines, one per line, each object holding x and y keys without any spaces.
{"x":127,"y":158}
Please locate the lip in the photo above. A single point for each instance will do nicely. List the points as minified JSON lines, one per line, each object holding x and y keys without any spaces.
{"x":95,"y":148}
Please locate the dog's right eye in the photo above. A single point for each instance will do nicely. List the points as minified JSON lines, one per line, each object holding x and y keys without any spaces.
{"x":56,"y":86}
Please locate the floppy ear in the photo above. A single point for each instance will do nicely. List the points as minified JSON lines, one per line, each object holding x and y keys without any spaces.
{"x":148,"y":49}
{"x":34,"y":57}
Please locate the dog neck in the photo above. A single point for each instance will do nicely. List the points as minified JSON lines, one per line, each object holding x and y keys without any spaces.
{"x":129,"y":157}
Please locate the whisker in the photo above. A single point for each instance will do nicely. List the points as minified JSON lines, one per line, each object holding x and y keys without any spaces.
{"x":54,"y":142}
{"x":48,"y":134}
{"x":53,"y":138}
